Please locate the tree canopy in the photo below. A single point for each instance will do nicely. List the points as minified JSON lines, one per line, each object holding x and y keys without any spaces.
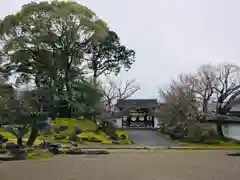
{"x":53,"y":46}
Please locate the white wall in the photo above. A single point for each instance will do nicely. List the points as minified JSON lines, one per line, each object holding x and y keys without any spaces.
{"x":236,"y":107}
{"x":119,"y":122}
{"x":231,"y":131}
{"x":157,"y":122}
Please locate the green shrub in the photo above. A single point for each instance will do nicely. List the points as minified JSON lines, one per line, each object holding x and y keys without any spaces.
{"x":3,"y":151}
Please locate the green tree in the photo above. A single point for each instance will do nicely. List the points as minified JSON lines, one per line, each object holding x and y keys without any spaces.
{"x":108,"y":56}
{"x":45,"y":42}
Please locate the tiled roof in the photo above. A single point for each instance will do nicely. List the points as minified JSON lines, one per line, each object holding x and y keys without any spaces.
{"x":137,"y":102}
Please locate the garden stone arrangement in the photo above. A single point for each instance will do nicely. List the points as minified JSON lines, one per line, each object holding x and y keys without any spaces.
{"x":62,"y":136}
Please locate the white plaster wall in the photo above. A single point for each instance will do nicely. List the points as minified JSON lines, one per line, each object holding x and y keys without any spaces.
{"x":236,"y":107}
{"x":231,"y":131}
{"x":157,"y":123}
{"x":119,"y":122}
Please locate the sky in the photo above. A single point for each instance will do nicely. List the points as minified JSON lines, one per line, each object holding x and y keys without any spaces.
{"x":169,"y":37}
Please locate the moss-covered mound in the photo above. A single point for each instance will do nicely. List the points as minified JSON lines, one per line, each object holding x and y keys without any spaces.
{"x":62,"y":130}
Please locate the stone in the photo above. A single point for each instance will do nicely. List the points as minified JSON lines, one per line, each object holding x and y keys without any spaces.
{"x":96,"y":152}
{"x":3,"y":140}
{"x":54,"y":150}
{"x":54,"y":144}
{"x":77,"y":129}
{"x":63,"y":128}
{"x":18,"y":152}
{"x":15,"y":154}
{"x":47,"y":144}
{"x":123,"y":136}
{"x":74,"y":137}
{"x":79,"y":151}
{"x":114,"y":136}
{"x":11,"y":146}
{"x":73,"y":151}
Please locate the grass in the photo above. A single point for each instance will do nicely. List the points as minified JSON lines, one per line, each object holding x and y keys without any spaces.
{"x":216,"y":144}
{"x":121,"y":132}
{"x":221,"y":144}
{"x":99,"y":136}
{"x":39,"y":154}
{"x":159,"y":132}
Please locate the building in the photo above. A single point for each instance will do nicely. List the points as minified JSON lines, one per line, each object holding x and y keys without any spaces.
{"x":231,"y":124}
{"x":137,"y":113}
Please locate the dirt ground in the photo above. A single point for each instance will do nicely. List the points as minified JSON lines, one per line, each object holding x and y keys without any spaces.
{"x":128,"y":165}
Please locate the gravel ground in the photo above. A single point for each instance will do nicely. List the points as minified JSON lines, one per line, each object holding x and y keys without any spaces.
{"x":142,"y":137}
{"x":128,"y":165}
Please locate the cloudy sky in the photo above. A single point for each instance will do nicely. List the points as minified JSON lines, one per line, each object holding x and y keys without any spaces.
{"x":169,"y":37}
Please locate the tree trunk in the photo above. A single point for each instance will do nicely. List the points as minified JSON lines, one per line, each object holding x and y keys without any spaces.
{"x":94,"y":118}
{"x":205,"y":109}
{"x":32,"y":137}
{"x":20,"y":142}
{"x":220,"y":131}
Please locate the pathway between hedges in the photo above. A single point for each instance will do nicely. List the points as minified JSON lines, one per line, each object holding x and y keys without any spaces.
{"x":148,"y":137}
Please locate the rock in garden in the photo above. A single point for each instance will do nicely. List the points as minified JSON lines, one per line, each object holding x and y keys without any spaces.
{"x":63,"y":128}
{"x":47,"y":144}
{"x":77,"y":129}
{"x":123,"y":136}
{"x":54,"y":144}
{"x":74,"y":137}
{"x":54,"y":150}
{"x":114,"y":136}
{"x":95,"y":152}
{"x":74,"y":151}
{"x":18,"y":152}
{"x":10,"y":146}
{"x":3,"y":140}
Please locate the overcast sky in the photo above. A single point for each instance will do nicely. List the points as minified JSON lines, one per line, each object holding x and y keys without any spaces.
{"x":169,"y":36}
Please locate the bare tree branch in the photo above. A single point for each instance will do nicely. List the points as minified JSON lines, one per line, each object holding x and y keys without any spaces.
{"x":113,"y":91}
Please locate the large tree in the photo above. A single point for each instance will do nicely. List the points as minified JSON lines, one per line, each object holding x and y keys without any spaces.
{"x":180,"y":109}
{"x":108,"y":56}
{"x":45,"y":42}
{"x":191,"y":93}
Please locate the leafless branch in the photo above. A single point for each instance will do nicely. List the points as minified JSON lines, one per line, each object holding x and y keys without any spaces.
{"x":113,"y":91}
